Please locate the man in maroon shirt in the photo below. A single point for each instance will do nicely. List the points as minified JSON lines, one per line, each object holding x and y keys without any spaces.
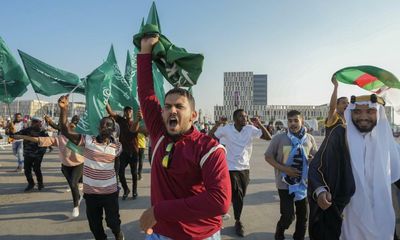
{"x":190,"y":185}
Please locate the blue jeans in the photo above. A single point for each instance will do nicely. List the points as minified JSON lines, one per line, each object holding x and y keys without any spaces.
{"x":18,"y":150}
{"x":155,"y":236}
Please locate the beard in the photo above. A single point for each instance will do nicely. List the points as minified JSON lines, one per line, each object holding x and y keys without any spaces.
{"x":364,"y":129}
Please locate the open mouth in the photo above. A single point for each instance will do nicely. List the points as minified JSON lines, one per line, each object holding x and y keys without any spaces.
{"x":172,"y":122}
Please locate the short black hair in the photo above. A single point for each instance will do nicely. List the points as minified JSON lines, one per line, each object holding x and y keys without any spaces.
{"x":185,"y":93}
{"x":126,"y":108}
{"x":110,"y":122}
{"x":293,"y":113}
{"x":236,"y":113}
{"x":339,"y":99}
{"x":16,"y":114}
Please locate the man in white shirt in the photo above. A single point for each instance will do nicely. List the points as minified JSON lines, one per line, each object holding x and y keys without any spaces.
{"x":17,"y":145}
{"x":238,"y":141}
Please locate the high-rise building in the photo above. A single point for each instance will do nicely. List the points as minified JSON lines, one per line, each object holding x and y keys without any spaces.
{"x":260,"y":89}
{"x":243,"y":90}
{"x":248,"y":91}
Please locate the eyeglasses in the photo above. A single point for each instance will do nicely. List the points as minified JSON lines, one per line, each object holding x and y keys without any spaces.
{"x":166,"y":161}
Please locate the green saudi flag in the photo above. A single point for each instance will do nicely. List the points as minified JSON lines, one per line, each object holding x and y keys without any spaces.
{"x":98,"y":91}
{"x":370,"y":78}
{"x":48,"y":80}
{"x":13,"y":81}
{"x":180,"y":68}
{"x":158,"y":80}
{"x":121,"y":91}
{"x":130,"y":78}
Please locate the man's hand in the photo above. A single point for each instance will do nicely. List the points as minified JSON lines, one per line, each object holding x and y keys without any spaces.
{"x":63,"y":102}
{"x":147,"y":43}
{"x":334,"y":81}
{"x":256,"y":121}
{"x":139,"y":115}
{"x":47,"y":118}
{"x":147,"y":220}
{"x":292,"y":172}
{"x":324,"y":200}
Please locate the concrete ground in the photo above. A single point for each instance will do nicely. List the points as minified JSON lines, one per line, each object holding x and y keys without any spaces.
{"x":46,"y":214}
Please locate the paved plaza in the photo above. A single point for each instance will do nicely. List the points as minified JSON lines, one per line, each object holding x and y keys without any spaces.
{"x":45,"y":215}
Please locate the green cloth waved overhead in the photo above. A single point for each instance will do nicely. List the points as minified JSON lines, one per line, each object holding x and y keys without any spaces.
{"x":48,"y":80}
{"x":370,"y":78}
{"x":180,"y":68}
{"x":98,"y":91}
{"x":121,"y":90}
{"x":13,"y":81}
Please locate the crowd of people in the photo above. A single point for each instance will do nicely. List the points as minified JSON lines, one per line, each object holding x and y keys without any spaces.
{"x":341,"y":190}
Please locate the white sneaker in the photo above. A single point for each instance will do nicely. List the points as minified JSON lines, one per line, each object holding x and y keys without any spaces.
{"x":75,"y":212}
{"x":226,"y":217}
{"x":80,"y":186}
{"x":68,"y":189}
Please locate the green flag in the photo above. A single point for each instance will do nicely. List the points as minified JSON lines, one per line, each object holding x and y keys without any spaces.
{"x":13,"y":81}
{"x":130,"y":78}
{"x":98,"y":92}
{"x":180,"y":68}
{"x":370,"y":78}
{"x":121,"y":90}
{"x":158,"y":82}
{"x":158,"y":79}
{"x":48,"y":80}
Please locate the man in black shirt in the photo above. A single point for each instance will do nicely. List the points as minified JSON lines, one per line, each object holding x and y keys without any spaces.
{"x":128,"y":138}
{"x":33,"y":154}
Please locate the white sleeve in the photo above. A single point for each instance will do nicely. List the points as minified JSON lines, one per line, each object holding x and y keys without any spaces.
{"x":256,"y":132}
{"x":220,"y":132}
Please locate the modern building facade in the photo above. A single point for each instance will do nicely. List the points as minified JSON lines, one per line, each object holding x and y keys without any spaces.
{"x":39,"y":108}
{"x":248,"y":91}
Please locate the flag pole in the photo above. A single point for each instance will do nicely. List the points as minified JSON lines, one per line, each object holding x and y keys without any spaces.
{"x":73,"y":90}
{"x":40,"y":104}
{"x":8,"y":104}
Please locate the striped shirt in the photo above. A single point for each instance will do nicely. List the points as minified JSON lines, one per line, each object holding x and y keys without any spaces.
{"x":98,"y":169}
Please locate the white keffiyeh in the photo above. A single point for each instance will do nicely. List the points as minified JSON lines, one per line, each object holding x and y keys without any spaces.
{"x":375,"y":162}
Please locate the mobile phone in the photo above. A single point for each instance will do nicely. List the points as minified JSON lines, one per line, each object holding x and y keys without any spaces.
{"x":253,"y":119}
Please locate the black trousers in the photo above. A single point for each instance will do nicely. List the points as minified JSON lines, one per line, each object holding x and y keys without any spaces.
{"x":239,"y":181}
{"x":126,"y":159}
{"x":287,"y":205}
{"x":141,"y":158}
{"x":73,"y":174}
{"x":35,"y":163}
{"x":95,"y":205}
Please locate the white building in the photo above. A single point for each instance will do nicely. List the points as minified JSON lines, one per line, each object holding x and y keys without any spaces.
{"x":248,"y":91}
{"x":36,"y":108}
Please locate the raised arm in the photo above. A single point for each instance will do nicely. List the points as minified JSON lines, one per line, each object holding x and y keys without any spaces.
{"x":222,"y":121}
{"x":135,"y":126}
{"x":27,"y":138}
{"x":72,"y":136}
{"x":149,"y":103}
{"x":50,"y":122}
{"x":333,"y":102}
{"x":265,"y":134}
{"x":110,"y":111}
